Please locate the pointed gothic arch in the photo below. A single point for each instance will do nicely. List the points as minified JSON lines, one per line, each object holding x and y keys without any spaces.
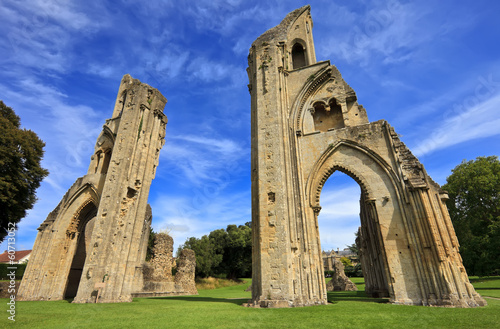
{"x":409,"y":249}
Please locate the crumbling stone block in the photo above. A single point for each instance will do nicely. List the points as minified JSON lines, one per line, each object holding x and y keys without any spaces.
{"x":186,"y":265}
{"x":340,"y":281}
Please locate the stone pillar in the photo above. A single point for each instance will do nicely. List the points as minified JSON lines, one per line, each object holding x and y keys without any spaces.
{"x":184,"y":278}
{"x":162,"y":257}
{"x":116,"y":256}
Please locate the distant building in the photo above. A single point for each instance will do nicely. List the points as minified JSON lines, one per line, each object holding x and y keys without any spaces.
{"x":329,"y":256}
{"x":20,"y":257}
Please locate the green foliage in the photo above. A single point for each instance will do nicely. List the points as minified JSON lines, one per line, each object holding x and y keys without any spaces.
{"x":20,"y":172}
{"x":353,"y":271}
{"x":223,"y":253}
{"x":354,"y":248}
{"x":19,"y":271}
{"x":474,"y":206}
{"x":151,"y":244}
{"x":346,"y":261}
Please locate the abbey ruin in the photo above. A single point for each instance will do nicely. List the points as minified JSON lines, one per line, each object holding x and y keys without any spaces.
{"x":94,"y":242}
{"x":306,"y":124}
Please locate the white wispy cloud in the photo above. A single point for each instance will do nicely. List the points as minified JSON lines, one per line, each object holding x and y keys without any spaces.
{"x":40,"y":35}
{"x":203,"y":159}
{"x":339,"y":216}
{"x":465,"y":124}
{"x":200,"y":213}
{"x":390,"y":32}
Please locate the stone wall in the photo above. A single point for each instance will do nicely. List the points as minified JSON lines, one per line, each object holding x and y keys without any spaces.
{"x":157,"y":273}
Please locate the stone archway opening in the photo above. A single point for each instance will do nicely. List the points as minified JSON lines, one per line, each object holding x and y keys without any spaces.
{"x":347,"y":217}
{"x":85,"y":221}
{"x":338,"y":219}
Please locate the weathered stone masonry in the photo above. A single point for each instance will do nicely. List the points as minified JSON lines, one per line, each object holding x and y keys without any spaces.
{"x":99,"y":231}
{"x":306,"y":124}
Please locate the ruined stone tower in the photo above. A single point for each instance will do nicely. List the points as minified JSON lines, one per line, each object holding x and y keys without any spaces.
{"x":96,"y":238}
{"x":306,"y":124}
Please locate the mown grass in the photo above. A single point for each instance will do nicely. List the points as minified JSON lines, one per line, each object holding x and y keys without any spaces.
{"x":220,"y":308}
{"x":487,"y":286}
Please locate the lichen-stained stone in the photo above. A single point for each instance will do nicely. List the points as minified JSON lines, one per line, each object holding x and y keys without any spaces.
{"x":97,"y":236}
{"x":306,"y":124}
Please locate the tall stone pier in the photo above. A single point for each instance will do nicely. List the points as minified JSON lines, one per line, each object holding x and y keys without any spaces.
{"x":306,"y":124}
{"x":95,"y":241}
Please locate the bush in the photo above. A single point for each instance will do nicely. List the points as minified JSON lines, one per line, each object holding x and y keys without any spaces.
{"x":354,"y":271}
{"x":20,"y":268}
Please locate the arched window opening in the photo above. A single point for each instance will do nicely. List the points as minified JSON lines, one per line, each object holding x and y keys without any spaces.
{"x":298,"y":56}
{"x":327,"y":117}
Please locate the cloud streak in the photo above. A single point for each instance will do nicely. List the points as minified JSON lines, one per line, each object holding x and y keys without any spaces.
{"x":479,"y":121}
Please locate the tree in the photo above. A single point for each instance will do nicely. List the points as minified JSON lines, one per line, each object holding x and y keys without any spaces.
{"x":151,"y":244}
{"x":346,"y":261}
{"x":238,"y":252}
{"x":223,"y":252}
{"x":21,"y":152}
{"x":206,"y":258}
{"x":474,"y":206}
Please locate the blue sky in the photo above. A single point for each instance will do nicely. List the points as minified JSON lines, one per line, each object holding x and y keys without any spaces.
{"x":431,"y":69}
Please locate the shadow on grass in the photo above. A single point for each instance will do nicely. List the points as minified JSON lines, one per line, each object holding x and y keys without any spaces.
{"x":237,"y":301}
{"x":353,"y":296}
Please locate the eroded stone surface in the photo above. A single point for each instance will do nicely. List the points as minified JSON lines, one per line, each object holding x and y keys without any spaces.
{"x":186,"y":265}
{"x":157,"y":273}
{"x":340,"y":281}
{"x":97,"y":236}
{"x":306,"y":124}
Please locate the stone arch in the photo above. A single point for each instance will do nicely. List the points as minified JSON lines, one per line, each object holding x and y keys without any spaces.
{"x":103,"y":151}
{"x":408,"y":238}
{"x":304,"y":101}
{"x":327,"y":116}
{"x":326,"y":165}
{"x":83,"y":223}
{"x":381,"y":213}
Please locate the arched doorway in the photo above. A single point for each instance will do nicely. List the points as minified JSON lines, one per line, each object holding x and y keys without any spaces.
{"x":382,"y":225}
{"x":85,"y":220}
{"x":338,"y":219}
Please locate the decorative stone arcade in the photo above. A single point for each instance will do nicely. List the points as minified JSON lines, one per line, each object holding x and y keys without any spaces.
{"x":306,"y":124}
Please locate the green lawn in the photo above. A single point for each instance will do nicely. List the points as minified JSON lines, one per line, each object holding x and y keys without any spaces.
{"x":221,"y":308}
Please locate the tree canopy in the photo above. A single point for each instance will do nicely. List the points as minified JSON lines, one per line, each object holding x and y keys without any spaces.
{"x":20,"y":171}
{"x":474,"y":206}
{"x":223,"y":252}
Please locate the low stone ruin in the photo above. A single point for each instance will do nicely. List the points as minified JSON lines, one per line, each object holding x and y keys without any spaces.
{"x":157,"y":273}
{"x":340,"y":281}
{"x":185,"y":272}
